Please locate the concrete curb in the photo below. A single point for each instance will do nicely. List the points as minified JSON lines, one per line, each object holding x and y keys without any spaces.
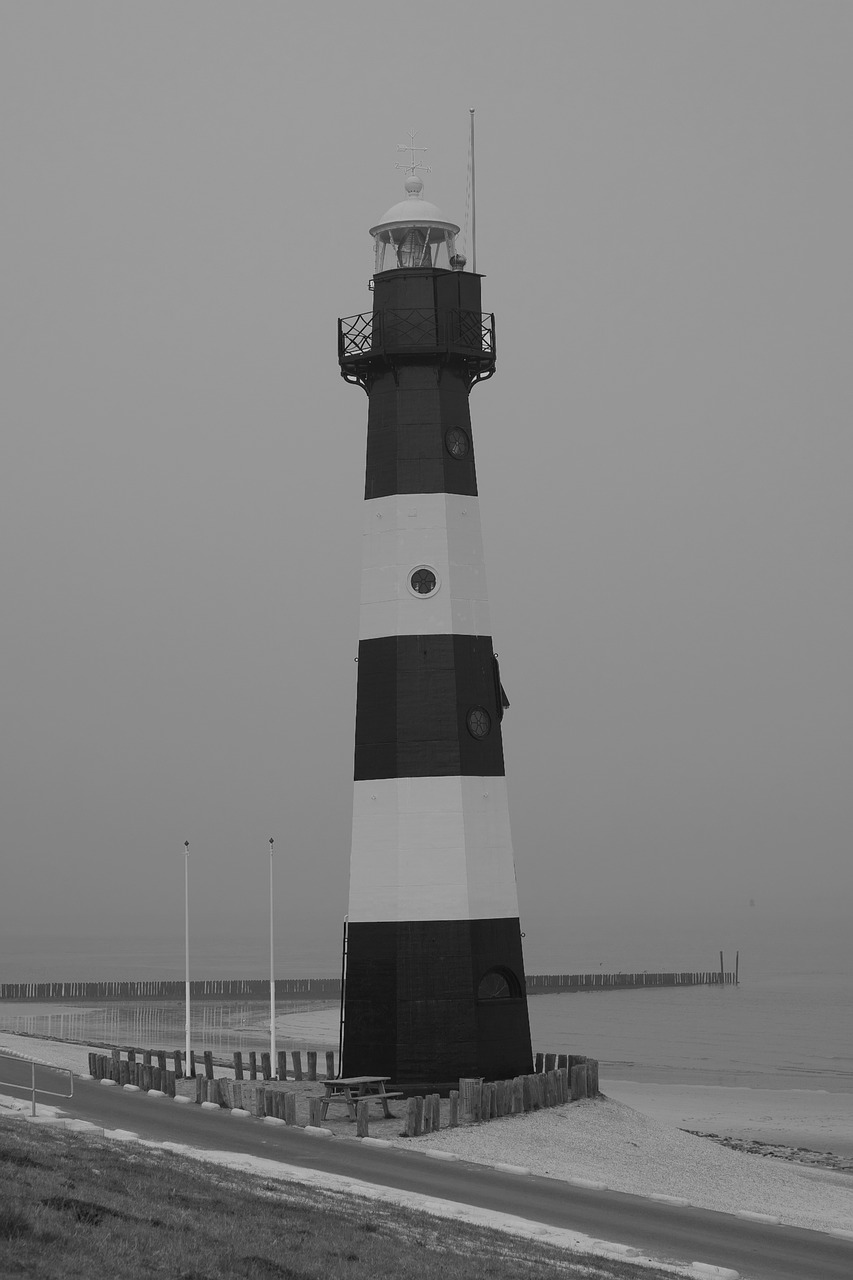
{"x":750,"y":1216}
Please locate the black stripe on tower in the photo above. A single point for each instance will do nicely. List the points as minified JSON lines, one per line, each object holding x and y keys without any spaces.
{"x":411,"y":410}
{"x":412,"y":1006}
{"x":416,"y":695}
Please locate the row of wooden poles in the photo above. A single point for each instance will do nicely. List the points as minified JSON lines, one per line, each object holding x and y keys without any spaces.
{"x":556,"y":1079}
{"x":330,"y":988}
{"x":139,"y":1066}
{"x":172,"y":989}
{"x":549,"y":983}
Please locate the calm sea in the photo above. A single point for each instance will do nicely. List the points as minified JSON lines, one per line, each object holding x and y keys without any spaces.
{"x":789,"y":1024}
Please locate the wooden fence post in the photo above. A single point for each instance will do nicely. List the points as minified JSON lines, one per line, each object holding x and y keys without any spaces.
{"x":208,"y":1064}
{"x":312,"y":1064}
{"x":93,"y":1065}
{"x":192,"y":1062}
{"x":419,"y":1116}
{"x":579,"y":1081}
{"x":179,"y":1070}
{"x":314,"y":1105}
{"x":282,"y":1064}
{"x":411,"y":1111}
{"x":238,"y":1065}
{"x":266,"y":1066}
{"x":290,"y":1108}
{"x":454,"y":1108}
{"x":297,"y":1064}
{"x":537,"y":1065}
{"x":253,"y":1065}
{"x":470,"y":1090}
{"x":362,"y":1129}
{"x":550,"y":1062}
{"x":330,"y":1064}
{"x":526,"y":1093}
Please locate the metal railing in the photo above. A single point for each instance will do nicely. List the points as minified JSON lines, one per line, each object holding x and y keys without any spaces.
{"x":32,"y":1086}
{"x":397,"y":329}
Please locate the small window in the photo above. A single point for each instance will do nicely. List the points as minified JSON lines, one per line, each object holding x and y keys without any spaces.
{"x":456,"y":442}
{"x":498,"y":984}
{"x":422,"y":582}
{"x":479,"y":722}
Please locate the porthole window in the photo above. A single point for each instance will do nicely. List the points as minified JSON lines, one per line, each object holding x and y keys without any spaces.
{"x":499,"y":984}
{"x":456,"y":442}
{"x":423,"y":581}
{"x":479,"y":722}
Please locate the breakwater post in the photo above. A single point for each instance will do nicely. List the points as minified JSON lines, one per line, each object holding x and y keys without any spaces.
{"x":321,"y":989}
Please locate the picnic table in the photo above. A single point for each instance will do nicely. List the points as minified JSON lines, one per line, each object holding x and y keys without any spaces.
{"x":353,"y":1089}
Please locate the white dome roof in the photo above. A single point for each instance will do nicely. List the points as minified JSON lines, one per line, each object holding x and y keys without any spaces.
{"x":413,"y":210}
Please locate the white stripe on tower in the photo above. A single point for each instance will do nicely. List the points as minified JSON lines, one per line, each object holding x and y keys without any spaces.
{"x":431,"y":849}
{"x":441,"y":530}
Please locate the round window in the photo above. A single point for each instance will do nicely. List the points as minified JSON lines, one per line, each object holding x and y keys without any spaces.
{"x":479,"y":722}
{"x":498,"y":984}
{"x":456,"y":442}
{"x":422,"y":581}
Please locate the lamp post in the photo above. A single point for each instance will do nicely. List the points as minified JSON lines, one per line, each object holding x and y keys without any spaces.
{"x":272,"y":970}
{"x":187,"y":951}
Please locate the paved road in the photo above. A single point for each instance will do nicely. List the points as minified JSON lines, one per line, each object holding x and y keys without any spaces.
{"x":756,"y":1250}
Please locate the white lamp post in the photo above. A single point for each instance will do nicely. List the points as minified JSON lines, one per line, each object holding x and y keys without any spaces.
{"x":272,"y":970}
{"x":187,"y":951}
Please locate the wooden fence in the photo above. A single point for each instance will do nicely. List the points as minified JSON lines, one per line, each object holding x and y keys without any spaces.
{"x":557,"y":1079}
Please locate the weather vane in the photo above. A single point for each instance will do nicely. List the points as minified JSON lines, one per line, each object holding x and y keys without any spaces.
{"x":414,"y":164}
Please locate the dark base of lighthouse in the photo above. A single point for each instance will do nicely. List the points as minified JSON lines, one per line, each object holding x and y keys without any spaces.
{"x":420,"y":1003}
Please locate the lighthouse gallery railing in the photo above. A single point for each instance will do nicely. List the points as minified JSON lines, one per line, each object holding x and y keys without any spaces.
{"x":394,"y":331}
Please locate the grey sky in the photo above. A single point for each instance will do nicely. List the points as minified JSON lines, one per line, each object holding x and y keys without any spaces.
{"x":664,"y":456}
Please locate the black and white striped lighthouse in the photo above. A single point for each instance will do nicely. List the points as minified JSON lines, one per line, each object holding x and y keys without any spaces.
{"x":435,"y":985}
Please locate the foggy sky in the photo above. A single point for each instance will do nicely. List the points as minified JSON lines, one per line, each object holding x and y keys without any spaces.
{"x":664,"y":455}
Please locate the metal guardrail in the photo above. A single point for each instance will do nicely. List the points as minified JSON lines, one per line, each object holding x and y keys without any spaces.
{"x":397,"y":329}
{"x":34,"y":1089}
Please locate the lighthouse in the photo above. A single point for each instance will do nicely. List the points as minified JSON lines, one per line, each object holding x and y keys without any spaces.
{"x":434,"y":980}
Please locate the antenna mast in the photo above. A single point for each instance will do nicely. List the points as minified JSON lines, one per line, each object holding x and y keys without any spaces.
{"x":473,"y":201}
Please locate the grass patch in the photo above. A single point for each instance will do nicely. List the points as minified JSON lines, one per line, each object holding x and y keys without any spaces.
{"x":74,"y":1205}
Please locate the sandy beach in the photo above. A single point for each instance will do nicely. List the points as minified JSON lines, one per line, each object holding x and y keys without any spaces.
{"x":632,"y":1140}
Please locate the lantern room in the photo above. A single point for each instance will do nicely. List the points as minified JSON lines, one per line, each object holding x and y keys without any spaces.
{"x":416,"y":234}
